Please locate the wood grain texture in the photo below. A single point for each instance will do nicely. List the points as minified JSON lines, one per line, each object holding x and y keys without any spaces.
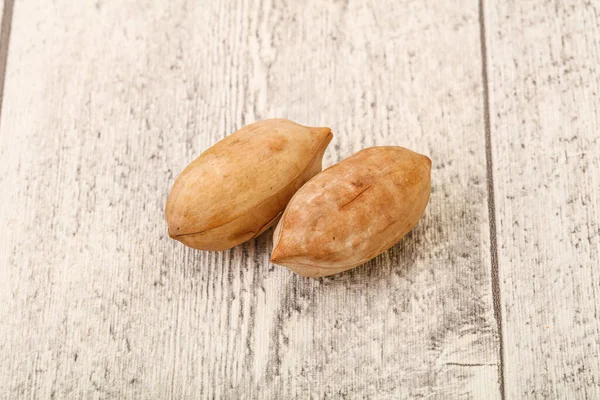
{"x":105,"y":102}
{"x":545,"y":125}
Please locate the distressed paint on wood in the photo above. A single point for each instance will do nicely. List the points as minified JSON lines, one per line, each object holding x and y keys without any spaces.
{"x":543,"y":60}
{"x":106,"y":102}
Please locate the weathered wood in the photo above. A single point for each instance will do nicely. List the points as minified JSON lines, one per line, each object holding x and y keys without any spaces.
{"x":543,"y":59}
{"x":106,"y":102}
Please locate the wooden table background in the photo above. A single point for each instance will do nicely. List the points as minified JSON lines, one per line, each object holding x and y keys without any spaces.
{"x":494,"y":295}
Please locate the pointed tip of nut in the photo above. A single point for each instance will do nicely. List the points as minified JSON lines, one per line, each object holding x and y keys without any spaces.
{"x":428,"y":161}
{"x":276,"y":256}
{"x":281,"y":255}
{"x":325,"y":132}
{"x":172,"y":234}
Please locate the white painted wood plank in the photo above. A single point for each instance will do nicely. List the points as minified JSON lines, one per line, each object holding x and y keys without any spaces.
{"x":106,"y":102}
{"x":545,"y":129}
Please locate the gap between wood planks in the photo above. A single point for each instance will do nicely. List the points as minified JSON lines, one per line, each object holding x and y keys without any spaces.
{"x":4,"y":40}
{"x":496,"y":298}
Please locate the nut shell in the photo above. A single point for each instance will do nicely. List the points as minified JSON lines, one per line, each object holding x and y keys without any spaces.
{"x":353,"y":211}
{"x":238,"y":188}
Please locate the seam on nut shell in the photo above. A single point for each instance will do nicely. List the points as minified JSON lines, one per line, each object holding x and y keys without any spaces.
{"x":267,"y":225}
{"x":356,"y":197}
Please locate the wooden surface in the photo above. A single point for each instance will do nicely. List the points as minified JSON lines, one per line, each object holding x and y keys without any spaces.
{"x":543,"y":59}
{"x":493,"y":295}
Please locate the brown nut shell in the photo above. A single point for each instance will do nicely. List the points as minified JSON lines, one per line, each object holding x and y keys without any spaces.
{"x":353,"y":211}
{"x":238,"y":188}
